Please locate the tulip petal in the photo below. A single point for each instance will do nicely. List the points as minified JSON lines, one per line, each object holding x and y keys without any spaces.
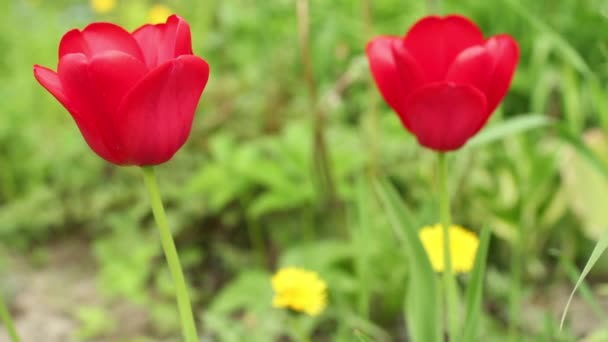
{"x":97,"y":87}
{"x":51,"y":82}
{"x":435,"y":42}
{"x":97,"y":38}
{"x":443,"y":116}
{"x":505,"y":53}
{"x":394,"y":70}
{"x":163,"y":42}
{"x":472,"y":66}
{"x":113,"y":74}
{"x":156,"y":116}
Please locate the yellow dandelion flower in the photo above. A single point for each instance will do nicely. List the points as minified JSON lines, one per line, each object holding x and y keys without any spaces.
{"x":299,"y":290}
{"x":102,"y":6}
{"x":463,"y":247}
{"x":158,"y":14}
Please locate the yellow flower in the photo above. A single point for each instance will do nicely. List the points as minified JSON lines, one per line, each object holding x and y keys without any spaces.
{"x":102,"y":6}
{"x":299,"y":290}
{"x":463,"y":247}
{"x":158,"y":14}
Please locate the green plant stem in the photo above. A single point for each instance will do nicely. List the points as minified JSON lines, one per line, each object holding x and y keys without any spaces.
{"x":449,"y":281}
{"x":321,"y":157}
{"x":298,"y":329}
{"x":8,"y":321}
{"x":372,"y":93}
{"x":515,"y":286}
{"x":181,"y":291}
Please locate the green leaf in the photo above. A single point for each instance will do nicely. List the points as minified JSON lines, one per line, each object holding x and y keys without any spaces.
{"x":584,"y":289}
{"x":599,"y":248}
{"x":508,"y":128}
{"x":422,"y":304}
{"x":361,"y":240}
{"x":319,"y":256}
{"x":475,"y":290}
{"x":361,"y":337}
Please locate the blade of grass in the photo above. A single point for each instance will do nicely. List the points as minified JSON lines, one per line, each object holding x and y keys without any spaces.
{"x":475,"y":290}
{"x":361,"y":337}
{"x":584,"y":289}
{"x":600,"y":101}
{"x":5,"y":317}
{"x":363,"y":225}
{"x":422,"y":304}
{"x":599,"y":248}
{"x":508,"y":128}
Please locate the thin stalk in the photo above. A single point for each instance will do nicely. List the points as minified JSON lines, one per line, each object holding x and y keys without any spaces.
{"x":372,"y":94}
{"x":8,"y":321}
{"x":449,"y":281}
{"x":298,"y":329}
{"x":515,"y":286}
{"x":320,"y":153}
{"x":257,"y":241}
{"x":181,"y":291}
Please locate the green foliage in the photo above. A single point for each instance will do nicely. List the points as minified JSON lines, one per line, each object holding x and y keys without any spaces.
{"x":421,"y":306}
{"x":474,"y":294}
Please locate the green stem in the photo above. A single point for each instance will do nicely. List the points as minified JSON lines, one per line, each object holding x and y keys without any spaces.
{"x":321,"y":156}
{"x":181,"y":292}
{"x":449,"y":281}
{"x":8,"y":321}
{"x":257,"y":241}
{"x":515,"y":287}
{"x":300,"y":333}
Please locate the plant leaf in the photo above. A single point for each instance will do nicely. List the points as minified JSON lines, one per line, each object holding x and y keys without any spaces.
{"x":599,"y":248}
{"x":475,"y":289}
{"x":422,"y":313}
{"x":584,"y":289}
{"x":509,"y":127}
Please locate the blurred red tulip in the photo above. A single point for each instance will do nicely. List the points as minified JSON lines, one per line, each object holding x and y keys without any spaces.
{"x":132,"y":95}
{"x":443,"y":78}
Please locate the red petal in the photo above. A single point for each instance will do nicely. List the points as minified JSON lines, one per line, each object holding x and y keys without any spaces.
{"x":395,"y":71}
{"x":98,"y":38}
{"x":163,"y":42}
{"x":156,"y":117}
{"x":444,"y":116}
{"x":113,"y":74}
{"x":50,"y":81}
{"x":505,"y":53}
{"x":435,"y":42}
{"x":473,"y":66}
{"x":97,"y":87}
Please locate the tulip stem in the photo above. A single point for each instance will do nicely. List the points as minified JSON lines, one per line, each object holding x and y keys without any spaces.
{"x":181,"y":292}
{"x":449,"y":281}
{"x":8,"y":321}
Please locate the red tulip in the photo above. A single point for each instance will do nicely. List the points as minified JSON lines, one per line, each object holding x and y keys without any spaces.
{"x":443,"y":78}
{"x":132,"y":95}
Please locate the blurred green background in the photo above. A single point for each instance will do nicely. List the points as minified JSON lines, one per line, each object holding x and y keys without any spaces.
{"x":80,"y":259}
